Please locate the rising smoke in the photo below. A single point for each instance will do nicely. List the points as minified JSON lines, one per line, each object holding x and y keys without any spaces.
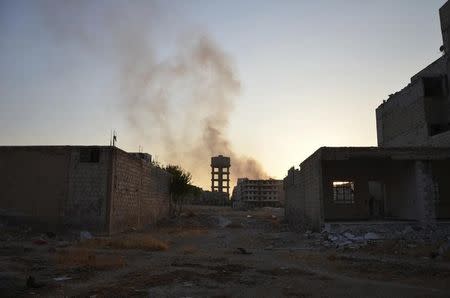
{"x":180,"y":103}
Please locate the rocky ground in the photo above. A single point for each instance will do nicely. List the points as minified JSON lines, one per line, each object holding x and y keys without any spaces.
{"x":219,"y":252}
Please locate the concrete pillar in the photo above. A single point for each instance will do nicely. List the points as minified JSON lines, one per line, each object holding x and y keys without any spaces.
{"x":425,"y":200}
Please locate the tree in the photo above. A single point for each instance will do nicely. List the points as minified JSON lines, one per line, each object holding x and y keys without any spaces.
{"x":179,"y":187}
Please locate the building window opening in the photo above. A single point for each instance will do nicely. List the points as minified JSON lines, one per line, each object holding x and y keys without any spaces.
{"x":343,"y":192}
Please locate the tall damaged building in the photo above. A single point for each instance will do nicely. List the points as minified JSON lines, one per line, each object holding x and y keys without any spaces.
{"x":407,"y":177}
{"x":419,"y":114}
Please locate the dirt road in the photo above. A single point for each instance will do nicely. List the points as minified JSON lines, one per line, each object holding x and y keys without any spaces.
{"x":212,"y":252}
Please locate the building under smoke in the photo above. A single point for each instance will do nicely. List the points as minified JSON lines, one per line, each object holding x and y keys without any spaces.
{"x":220,"y":174}
{"x":258,"y":193}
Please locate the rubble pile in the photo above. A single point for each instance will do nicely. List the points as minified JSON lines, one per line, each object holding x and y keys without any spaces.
{"x":357,"y":236}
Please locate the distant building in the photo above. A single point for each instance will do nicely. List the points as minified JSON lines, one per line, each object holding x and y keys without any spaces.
{"x":258,"y":193}
{"x":99,"y":188}
{"x":220,"y":174}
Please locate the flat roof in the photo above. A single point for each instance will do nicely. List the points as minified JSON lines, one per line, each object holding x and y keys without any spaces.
{"x":393,"y":153}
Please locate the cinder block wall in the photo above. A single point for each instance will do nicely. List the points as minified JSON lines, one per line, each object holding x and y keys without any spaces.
{"x":311,"y":168}
{"x":86,"y":202}
{"x":139,"y":193}
{"x":294,"y":205}
{"x":401,"y":120}
{"x":304,"y":195}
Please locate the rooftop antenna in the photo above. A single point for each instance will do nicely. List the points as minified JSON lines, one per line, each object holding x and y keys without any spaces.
{"x":113,"y":138}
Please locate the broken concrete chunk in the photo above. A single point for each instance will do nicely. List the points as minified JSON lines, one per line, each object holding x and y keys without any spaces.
{"x":408,"y":230}
{"x":349,"y":235}
{"x":372,"y":236}
{"x":62,"y":278}
{"x":85,"y":235}
{"x":444,"y":249}
{"x":333,"y":238}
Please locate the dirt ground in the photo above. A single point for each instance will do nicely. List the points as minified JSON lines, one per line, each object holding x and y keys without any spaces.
{"x":210,"y":252}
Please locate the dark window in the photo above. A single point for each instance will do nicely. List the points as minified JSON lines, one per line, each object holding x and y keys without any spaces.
{"x":343,"y":192}
{"x":433,"y":87}
{"x":89,"y":155}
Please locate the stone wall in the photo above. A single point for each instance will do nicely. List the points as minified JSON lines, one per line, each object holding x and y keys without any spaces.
{"x":139,"y":192}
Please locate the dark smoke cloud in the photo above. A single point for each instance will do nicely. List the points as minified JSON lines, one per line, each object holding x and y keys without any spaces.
{"x":180,"y":103}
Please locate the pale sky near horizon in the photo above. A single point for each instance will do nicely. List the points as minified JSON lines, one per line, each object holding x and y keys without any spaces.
{"x":311,"y":72}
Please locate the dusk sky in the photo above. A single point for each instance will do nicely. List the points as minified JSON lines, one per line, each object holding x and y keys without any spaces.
{"x":311,"y":73}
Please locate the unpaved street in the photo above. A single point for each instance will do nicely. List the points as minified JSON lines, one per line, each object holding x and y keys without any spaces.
{"x":211,"y":252}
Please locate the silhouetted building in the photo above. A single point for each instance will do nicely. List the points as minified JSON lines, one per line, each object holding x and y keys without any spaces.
{"x":419,"y":114}
{"x":369,"y":183}
{"x":258,"y":193}
{"x":406,"y":178}
{"x":99,"y":188}
{"x":220,"y":174}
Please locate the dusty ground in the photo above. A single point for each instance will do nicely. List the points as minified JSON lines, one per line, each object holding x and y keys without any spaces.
{"x":211,"y":252}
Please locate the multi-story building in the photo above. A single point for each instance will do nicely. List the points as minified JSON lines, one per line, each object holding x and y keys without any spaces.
{"x":258,"y":193}
{"x":419,"y":114}
{"x":220,"y":174}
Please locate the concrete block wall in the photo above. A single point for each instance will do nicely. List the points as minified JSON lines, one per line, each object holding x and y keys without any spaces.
{"x":441,"y":176}
{"x":401,"y":120}
{"x":294,"y":205}
{"x":426,"y":200}
{"x":86,"y":202}
{"x":311,"y":170}
{"x":304,"y":195}
{"x":139,"y":193}
{"x":435,"y":69}
{"x":156,"y":195}
{"x":401,"y":196}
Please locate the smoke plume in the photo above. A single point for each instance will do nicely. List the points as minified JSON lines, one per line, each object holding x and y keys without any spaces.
{"x":179,"y":103}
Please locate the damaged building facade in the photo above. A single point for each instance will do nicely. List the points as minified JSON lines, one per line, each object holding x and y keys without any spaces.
{"x":258,"y":193}
{"x":369,"y":183}
{"x":99,"y":188}
{"x":419,"y":114}
{"x":407,"y":177}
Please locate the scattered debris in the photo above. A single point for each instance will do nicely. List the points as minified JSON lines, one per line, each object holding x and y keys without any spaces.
{"x":372,"y":236}
{"x":62,"y":278}
{"x":85,"y":235}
